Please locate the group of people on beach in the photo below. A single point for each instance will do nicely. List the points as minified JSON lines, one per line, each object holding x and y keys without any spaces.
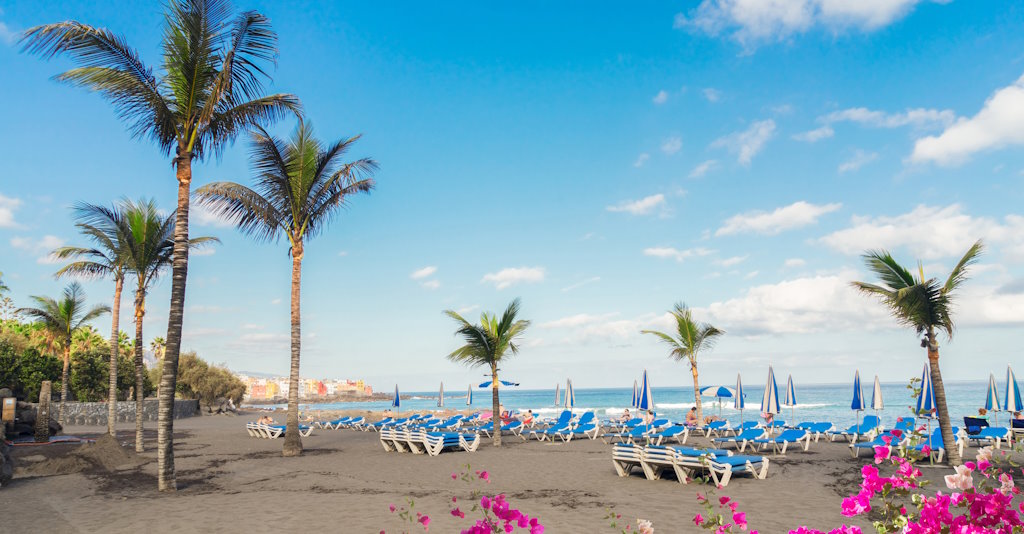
{"x":983,"y":414}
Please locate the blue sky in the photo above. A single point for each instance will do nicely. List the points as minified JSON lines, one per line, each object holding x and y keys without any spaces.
{"x":600,"y":162}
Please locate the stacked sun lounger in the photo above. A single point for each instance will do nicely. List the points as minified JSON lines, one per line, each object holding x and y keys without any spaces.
{"x":431,"y":443}
{"x":260,"y":430}
{"x":685,"y":462}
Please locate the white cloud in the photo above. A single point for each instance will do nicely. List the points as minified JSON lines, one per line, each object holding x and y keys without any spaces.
{"x":753,"y":21}
{"x":795,"y":262}
{"x":431,"y":284}
{"x":661,"y":97}
{"x":7,"y":207}
{"x":997,"y":125}
{"x":712,"y":94}
{"x":43,"y":247}
{"x":466,"y":309}
{"x":200,"y":215}
{"x":342,"y":253}
{"x":580,"y":284}
{"x":798,"y":306}
{"x":813,"y":136}
{"x":203,"y":251}
{"x":579,"y":319}
{"x":423,"y":273}
{"x":275,"y":302}
{"x":703,"y":168}
{"x":748,"y":143}
{"x":8,"y":35}
{"x":643,"y":206}
{"x":929,"y":233}
{"x":729,"y":262}
{"x":860,"y":158}
{"x":919,"y":118}
{"x":514,"y":275}
{"x":585,"y":328}
{"x":641,"y":160}
{"x":672,"y":144}
{"x":785,"y":218}
{"x":674,"y":253}
{"x":751,"y":274}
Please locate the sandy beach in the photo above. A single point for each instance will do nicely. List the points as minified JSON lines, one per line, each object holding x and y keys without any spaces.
{"x":230,"y":482}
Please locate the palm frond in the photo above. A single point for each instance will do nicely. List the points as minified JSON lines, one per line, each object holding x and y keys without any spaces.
{"x":235,"y":118}
{"x":959,"y":273}
{"x":888,"y":270}
{"x":253,"y":214}
{"x":84,"y":269}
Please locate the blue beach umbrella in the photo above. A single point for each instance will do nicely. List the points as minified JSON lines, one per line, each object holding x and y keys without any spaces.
{"x":440,"y":397}
{"x":558,"y":394}
{"x":738,"y":400}
{"x":926,"y":399}
{"x":502,"y":382}
{"x":790,"y":396}
{"x":469,"y":395}
{"x":570,"y":396}
{"x":992,"y":397}
{"x":646,"y":398}
{"x":770,"y":398}
{"x":1012,"y":402}
{"x":397,"y":401}
{"x":719,"y":392}
{"x":857,"y":404}
{"x":636,"y":393}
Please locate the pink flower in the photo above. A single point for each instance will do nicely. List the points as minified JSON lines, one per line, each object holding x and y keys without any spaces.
{"x":458,"y":513}
{"x":454,"y":476}
{"x":391,"y":507}
{"x":1006,"y":484}
{"x":698,"y":519}
{"x":882,"y":454}
{"x":961,"y":480}
{"x":926,"y":450}
{"x":897,"y":433}
{"x":722,"y":500}
{"x":644,"y":526}
{"x":740,"y":518}
{"x":984,"y":454}
{"x":425,"y":521}
{"x":485,"y":502}
{"x":484,"y":475}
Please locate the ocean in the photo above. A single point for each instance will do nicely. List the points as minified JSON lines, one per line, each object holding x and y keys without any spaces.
{"x":814,"y":402}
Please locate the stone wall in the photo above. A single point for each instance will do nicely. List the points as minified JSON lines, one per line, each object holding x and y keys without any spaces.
{"x":95,"y":413}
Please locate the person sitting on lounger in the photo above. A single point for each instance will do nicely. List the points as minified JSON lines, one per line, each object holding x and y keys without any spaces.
{"x":768,"y":418}
{"x":691,"y":417}
{"x":982,"y":414}
{"x":710,"y":418}
{"x":1019,"y":416}
{"x":625,"y":416}
{"x":648,"y":417}
{"x":265,"y":420}
{"x":528,"y":419}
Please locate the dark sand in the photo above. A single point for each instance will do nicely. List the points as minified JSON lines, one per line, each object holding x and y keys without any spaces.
{"x":230,"y":482}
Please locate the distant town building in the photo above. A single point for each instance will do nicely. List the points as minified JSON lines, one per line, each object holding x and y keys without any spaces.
{"x":265,"y":389}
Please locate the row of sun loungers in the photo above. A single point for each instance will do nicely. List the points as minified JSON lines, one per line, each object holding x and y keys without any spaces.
{"x":259,"y":430}
{"x":685,"y":462}
{"x":431,"y":443}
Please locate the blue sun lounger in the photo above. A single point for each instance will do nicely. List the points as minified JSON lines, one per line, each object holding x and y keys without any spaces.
{"x":680,"y":433}
{"x":868,"y":427}
{"x":793,"y":435}
{"x":626,"y":456}
{"x":993,"y":435}
{"x":332,"y":424}
{"x":634,"y":434}
{"x":379,"y":424}
{"x":685,"y":461}
{"x":656,"y":460}
{"x":938,"y":449}
{"x":742,"y":439}
{"x":715,"y":427}
{"x":869,"y":446}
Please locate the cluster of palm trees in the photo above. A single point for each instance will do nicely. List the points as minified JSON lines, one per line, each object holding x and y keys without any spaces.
{"x":208,"y":90}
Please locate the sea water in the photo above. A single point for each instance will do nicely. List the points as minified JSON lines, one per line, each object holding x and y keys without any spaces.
{"x":814,"y":402}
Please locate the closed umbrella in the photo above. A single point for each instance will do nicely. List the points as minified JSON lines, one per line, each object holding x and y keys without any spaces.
{"x":646,"y":398}
{"x":396,"y":403}
{"x":926,"y":398}
{"x":790,"y":397}
{"x":858,"y":396}
{"x":992,"y":397}
{"x":469,"y":395}
{"x":636,"y":392}
{"x":440,"y":397}
{"x":558,"y":394}
{"x":1012,"y":402}
{"x":876,"y":397}
{"x":738,"y":401}
{"x":770,"y":398}
{"x":570,"y":397}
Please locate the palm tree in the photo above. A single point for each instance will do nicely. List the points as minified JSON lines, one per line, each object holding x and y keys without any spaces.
{"x":210,"y":89}
{"x":157,"y":346}
{"x":100,"y":224}
{"x":926,"y":306}
{"x":693,"y":338}
{"x":300,"y":185}
{"x":489,"y":343}
{"x":149,"y":250}
{"x":61,"y":319}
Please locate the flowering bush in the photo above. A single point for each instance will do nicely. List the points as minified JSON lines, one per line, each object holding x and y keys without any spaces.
{"x":497,"y":515}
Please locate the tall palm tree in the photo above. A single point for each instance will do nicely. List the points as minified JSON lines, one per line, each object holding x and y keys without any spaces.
{"x":149,"y":250}
{"x":489,"y":343}
{"x":61,"y":319}
{"x":693,"y":337}
{"x":100,"y":224}
{"x":299,"y":187}
{"x":926,"y":306}
{"x":209,"y":90}
{"x":157,"y":346}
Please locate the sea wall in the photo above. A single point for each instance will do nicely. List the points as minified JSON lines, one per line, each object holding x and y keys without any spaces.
{"x":95,"y":413}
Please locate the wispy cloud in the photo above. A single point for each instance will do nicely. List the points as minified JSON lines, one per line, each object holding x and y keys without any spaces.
{"x":641,"y":160}
{"x":661,"y":97}
{"x":795,"y":215}
{"x":795,"y":262}
{"x":423,"y":273}
{"x":8,"y":35}
{"x":729,"y":262}
{"x":749,"y":142}
{"x":514,"y":275}
{"x":430,"y":284}
{"x":8,"y":205}
{"x":580,"y":284}
{"x":43,"y":247}
{"x":677,"y":254}
{"x":860,"y":158}
{"x":200,"y":215}
{"x":712,"y":94}
{"x":671,"y":145}
{"x":920,"y":117}
{"x":815,"y":135}
{"x":703,"y":168}
{"x":644,"y":206}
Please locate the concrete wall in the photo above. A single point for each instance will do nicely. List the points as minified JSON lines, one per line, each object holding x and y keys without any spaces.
{"x":95,"y":413}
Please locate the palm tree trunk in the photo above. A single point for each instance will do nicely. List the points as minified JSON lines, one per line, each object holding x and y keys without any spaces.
{"x":169,"y":377}
{"x":696,"y":396}
{"x":945,"y":426}
{"x":495,"y":406}
{"x":114,"y":329}
{"x":64,"y":380}
{"x":292,"y":440}
{"x":140,"y":395}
